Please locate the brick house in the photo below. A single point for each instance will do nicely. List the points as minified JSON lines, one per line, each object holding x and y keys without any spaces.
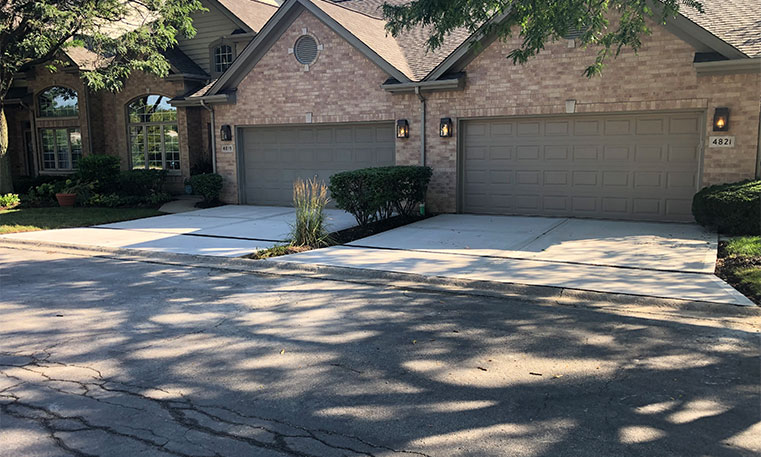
{"x":321,"y":87}
{"x":54,"y":120}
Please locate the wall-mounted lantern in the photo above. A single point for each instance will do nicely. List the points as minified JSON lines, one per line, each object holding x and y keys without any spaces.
{"x":402,"y":128}
{"x":226,"y":133}
{"x":445,"y":127}
{"x":721,"y":120}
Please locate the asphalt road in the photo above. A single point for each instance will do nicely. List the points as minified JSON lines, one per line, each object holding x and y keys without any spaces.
{"x":108,"y":357}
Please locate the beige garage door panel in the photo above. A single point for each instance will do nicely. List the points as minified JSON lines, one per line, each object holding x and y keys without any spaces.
{"x":642,"y":167}
{"x":274,"y":157}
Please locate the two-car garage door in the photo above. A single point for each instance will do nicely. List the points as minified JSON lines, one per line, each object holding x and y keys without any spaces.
{"x":640,"y":167}
{"x":274,"y":157}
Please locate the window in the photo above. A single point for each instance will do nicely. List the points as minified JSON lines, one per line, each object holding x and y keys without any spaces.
{"x":58,"y":101}
{"x":61,"y":148}
{"x":223,"y":58}
{"x":153,"y":134}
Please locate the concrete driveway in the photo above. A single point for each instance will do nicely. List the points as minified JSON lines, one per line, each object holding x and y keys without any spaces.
{"x":114,"y":358}
{"x":638,"y":258}
{"x":228,"y":231}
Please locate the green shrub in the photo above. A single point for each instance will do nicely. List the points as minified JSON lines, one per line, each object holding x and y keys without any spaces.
{"x":44,"y":194}
{"x":141,"y":183}
{"x":730,"y":208}
{"x":24,"y":184}
{"x":100,"y":169}
{"x":104,"y":200}
{"x":208,"y":185}
{"x":310,"y":198}
{"x":372,"y":194}
{"x":9,"y":201}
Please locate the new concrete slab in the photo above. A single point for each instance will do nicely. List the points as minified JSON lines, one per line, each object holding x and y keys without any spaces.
{"x":228,"y":231}
{"x":676,"y":285}
{"x":660,"y":246}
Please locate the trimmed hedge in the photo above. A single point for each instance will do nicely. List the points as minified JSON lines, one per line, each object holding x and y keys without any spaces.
{"x":208,"y":185}
{"x":141,"y":182}
{"x":734,"y":209}
{"x":373,"y":194}
{"x":100,"y":169}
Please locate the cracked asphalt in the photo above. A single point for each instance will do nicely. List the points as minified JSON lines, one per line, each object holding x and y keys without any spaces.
{"x":101,"y":356}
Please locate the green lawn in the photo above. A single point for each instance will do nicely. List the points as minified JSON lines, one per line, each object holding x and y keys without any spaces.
{"x":744,"y":246}
{"x":31,"y":219}
{"x":741,"y":265}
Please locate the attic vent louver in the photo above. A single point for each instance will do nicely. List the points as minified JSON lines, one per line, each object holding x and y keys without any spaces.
{"x":305,"y":50}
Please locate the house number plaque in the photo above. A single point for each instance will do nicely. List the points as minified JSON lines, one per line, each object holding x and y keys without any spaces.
{"x":721,"y":141}
{"x":227,"y":148}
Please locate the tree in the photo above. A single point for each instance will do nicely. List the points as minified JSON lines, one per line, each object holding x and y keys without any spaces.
{"x":122,"y":36}
{"x":539,"y":22}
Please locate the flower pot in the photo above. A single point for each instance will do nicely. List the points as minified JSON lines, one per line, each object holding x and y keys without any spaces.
{"x":66,"y":200}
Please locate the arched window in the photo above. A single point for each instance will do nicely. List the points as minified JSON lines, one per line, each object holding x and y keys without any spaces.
{"x":58,"y":101}
{"x":153,"y":135}
{"x":223,"y":58}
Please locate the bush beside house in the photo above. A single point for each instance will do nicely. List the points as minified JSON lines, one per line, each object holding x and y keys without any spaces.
{"x":374,"y":194}
{"x":732,"y":209}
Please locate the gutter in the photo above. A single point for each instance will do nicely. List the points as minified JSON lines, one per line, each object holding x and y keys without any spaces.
{"x":752,"y":65}
{"x":456,"y":83}
{"x":210,"y":109}
{"x":205,"y":100}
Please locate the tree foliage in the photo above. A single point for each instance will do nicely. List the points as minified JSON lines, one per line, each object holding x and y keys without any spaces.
{"x":116,"y":37}
{"x":609,"y":25}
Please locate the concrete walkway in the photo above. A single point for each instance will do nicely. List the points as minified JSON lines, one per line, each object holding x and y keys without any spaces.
{"x":227,"y":231}
{"x":637,"y":258}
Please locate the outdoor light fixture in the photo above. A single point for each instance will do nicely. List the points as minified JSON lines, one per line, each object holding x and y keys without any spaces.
{"x":721,"y":120}
{"x":226,"y":133}
{"x":402,"y":128}
{"x":445,"y":127}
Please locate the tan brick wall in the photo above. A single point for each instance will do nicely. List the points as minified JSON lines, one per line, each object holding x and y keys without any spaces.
{"x":343,"y":86}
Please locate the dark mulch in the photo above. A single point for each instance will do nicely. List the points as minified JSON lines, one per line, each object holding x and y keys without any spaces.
{"x":734,"y":270}
{"x":355,"y":233}
{"x":203,"y":204}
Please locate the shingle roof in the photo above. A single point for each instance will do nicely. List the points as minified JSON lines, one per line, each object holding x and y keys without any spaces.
{"x":254,"y":13}
{"x":408,"y":52}
{"x":737,"y":22}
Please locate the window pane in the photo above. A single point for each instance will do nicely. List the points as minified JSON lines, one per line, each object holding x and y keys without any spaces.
{"x":223,"y":58}
{"x":58,"y":102}
{"x":62,"y":143}
{"x":75,"y":139}
{"x":172,"y":147}
{"x":151,"y":108}
{"x":47,"y":137}
{"x":154,"y":147}
{"x":137,"y":147}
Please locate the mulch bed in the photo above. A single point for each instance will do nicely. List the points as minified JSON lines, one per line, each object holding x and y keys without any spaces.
{"x":727,"y":266}
{"x":341,"y":237}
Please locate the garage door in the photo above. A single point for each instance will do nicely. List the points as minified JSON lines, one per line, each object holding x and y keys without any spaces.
{"x":274,"y":157}
{"x":639,"y":167}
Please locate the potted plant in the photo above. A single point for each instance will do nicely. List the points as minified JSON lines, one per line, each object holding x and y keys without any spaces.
{"x":67,"y":196}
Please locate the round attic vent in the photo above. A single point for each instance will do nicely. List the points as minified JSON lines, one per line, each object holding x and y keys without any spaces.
{"x":305,"y":50}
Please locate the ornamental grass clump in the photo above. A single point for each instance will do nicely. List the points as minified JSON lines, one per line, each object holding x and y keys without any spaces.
{"x":310,"y":197}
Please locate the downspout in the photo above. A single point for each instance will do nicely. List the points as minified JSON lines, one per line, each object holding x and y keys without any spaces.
{"x":422,"y":125}
{"x":210,"y":109}
{"x":758,"y":152}
{"x":89,"y":122}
